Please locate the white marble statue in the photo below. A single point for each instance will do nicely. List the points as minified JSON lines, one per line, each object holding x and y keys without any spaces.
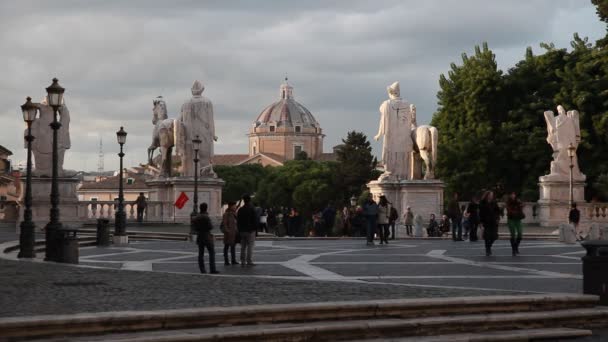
{"x":42,"y":146}
{"x":163,"y":136}
{"x":426,"y":139}
{"x":563,"y":130}
{"x":196,"y":119}
{"x":396,"y":124}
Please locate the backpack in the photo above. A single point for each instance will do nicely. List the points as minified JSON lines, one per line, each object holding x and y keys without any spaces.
{"x":394,"y":215}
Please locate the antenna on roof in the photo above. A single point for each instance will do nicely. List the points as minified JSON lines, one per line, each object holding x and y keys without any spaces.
{"x":100,"y":166}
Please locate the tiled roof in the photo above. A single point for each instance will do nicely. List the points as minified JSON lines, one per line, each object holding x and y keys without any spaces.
{"x":5,"y":150}
{"x":112,"y":183}
{"x":228,"y":159}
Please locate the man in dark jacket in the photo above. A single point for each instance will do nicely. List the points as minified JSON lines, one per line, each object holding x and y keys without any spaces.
{"x":247,"y":224}
{"x":329,"y":219}
{"x":204,"y":239}
{"x":455,"y":215}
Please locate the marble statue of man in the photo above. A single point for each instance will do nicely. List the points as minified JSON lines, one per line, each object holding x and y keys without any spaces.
{"x":563,"y":130}
{"x":196,"y":118}
{"x":42,"y":146}
{"x":397,"y":121}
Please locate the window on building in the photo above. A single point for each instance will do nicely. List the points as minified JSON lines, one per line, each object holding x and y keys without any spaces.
{"x":298,"y":129}
{"x":296,"y":150}
{"x":272,"y":128}
{"x":130,"y":181}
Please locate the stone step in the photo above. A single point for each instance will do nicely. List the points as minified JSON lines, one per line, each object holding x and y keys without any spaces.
{"x":522,"y":335}
{"x":401,"y":311}
{"x":384,"y":329}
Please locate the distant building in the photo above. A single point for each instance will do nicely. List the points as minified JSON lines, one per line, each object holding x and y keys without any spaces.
{"x":104,"y":188}
{"x":10,"y":188}
{"x":280,"y":132}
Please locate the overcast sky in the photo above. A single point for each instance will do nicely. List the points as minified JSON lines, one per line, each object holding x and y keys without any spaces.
{"x":114,"y":57}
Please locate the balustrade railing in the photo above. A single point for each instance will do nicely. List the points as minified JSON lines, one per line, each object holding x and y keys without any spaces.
{"x":155,"y":211}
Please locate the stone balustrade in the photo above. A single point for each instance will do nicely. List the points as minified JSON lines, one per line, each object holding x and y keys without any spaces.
{"x":156,"y":211}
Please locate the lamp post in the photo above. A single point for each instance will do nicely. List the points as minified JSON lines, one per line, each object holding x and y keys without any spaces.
{"x":571,"y":154}
{"x":27,"y":235}
{"x":120,"y":217}
{"x":196,"y":145}
{"x":53,"y":238}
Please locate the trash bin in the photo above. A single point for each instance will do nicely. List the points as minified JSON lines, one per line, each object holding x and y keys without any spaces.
{"x":103,"y":232}
{"x":595,"y":269}
{"x":69,"y":246}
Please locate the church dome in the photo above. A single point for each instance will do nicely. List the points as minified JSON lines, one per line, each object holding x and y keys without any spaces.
{"x":286,"y":112}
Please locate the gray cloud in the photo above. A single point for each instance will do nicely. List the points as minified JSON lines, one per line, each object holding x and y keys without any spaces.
{"x":114,"y":57}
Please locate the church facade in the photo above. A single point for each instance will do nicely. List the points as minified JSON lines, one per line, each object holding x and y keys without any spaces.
{"x":281,"y":132}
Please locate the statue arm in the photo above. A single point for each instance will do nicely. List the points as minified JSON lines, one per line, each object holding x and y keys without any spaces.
{"x":381,"y":129}
{"x":65,"y":126}
{"x":575,"y":116}
{"x":212,"y":123}
{"x":550,"y":120}
{"x":413,"y":111}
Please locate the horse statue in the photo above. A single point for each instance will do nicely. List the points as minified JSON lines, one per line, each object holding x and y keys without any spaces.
{"x":426,"y":138}
{"x":163,"y":136}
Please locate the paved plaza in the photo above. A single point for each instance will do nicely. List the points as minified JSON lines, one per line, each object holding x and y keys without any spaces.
{"x":164,"y":274}
{"x":544,"y":266}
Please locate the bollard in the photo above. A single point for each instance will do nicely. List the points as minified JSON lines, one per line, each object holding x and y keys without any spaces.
{"x":69,"y":247}
{"x":595,"y":269}
{"x":103,"y":232}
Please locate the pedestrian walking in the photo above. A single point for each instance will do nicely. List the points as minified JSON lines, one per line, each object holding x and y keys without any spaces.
{"x":329,"y":220}
{"x":141,"y":206}
{"x":230,"y":230}
{"x":247,"y":224}
{"x":515,"y":214}
{"x":384,"y":212}
{"x":295,"y":223}
{"x":574,"y":217}
{"x":455,"y":216}
{"x":370,"y":211}
{"x":393,"y":217}
{"x":489,"y":213}
{"x":204,"y":239}
{"x":316,"y":224}
{"x":408,"y":221}
{"x":264,"y":221}
{"x":473,"y":218}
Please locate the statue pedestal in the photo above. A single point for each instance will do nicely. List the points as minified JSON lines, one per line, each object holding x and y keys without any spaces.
{"x":41,"y":202}
{"x":554,"y":200}
{"x":168,"y":190}
{"x":425,"y":197}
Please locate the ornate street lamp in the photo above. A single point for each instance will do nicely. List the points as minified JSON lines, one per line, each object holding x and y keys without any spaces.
{"x":571,"y":154}
{"x":120,"y":218}
{"x":27,"y":235}
{"x":196,"y":145}
{"x":53,"y":238}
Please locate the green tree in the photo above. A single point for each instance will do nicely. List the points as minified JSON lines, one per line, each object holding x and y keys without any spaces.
{"x":471,"y":110}
{"x":356,"y":165}
{"x":240,"y":180}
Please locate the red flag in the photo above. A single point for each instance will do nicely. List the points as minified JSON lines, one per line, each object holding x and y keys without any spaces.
{"x":181,"y":200}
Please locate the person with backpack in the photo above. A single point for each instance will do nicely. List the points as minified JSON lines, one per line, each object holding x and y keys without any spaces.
{"x":393,"y":217}
{"x":230,"y":231}
{"x":204,"y":239}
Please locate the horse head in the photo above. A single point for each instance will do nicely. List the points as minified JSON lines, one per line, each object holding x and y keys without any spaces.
{"x":159,"y":110}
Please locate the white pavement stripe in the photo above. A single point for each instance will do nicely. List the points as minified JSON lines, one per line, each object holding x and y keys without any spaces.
{"x":465,"y":276}
{"x":300,"y":264}
{"x":436,"y":252}
{"x":507,"y":268}
{"x":137,"y":266}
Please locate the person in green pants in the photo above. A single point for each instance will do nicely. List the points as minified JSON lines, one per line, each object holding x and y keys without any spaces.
{"x":515,"y":215}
